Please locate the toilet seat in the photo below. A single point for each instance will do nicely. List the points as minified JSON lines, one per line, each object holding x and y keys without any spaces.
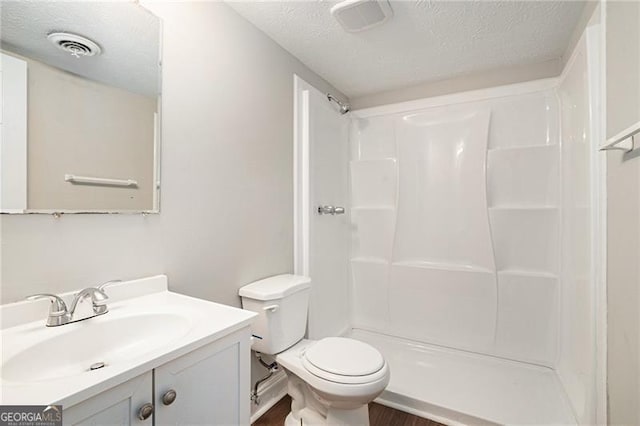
{"x":335,"y":390}
{"x":343,"y":360}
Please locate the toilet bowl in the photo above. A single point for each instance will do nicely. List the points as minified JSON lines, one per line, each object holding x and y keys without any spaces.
{"x":343,"y":375}
{"x":331,"y":381}
{"x":353,"y":385}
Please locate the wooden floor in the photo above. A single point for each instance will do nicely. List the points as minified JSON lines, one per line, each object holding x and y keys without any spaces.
{"x":379,"y":415}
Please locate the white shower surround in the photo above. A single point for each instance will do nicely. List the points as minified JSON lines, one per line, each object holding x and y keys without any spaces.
{"x":476,"y":220}
{"x":455,"y":212}
{"x":473,"y":217}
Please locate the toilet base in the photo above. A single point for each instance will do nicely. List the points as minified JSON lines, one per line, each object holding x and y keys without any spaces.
{"x":356,"y":417}
{"x":315,"y":401}
{"x":290,"y":421}
{"x":309,"y":408}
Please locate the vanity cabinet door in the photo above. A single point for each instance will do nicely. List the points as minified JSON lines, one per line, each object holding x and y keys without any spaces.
{"x":117,"y":406}
{"x":209,"y":386}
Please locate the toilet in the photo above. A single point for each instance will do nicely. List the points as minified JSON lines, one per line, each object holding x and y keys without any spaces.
{"x":331,"y":380}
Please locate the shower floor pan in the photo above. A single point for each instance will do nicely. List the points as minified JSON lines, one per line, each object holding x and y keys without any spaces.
{"x":457,"y":387}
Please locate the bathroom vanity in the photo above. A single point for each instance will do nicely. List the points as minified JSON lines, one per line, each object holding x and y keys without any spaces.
{"x":156,"y":357}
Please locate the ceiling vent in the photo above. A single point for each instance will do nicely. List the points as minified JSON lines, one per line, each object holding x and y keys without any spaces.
{"x":74,"y":44}
{"x":360,"y":15}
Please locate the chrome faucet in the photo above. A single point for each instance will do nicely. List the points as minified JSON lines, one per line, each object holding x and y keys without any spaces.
{"x":59,"y":314}
{"x":98,"y":300}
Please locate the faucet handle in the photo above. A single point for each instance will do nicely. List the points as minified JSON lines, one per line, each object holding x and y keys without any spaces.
{"x":98,"y":297}
{"x":102,"y":286}
{"x":99,"y":300}
{"x":58,"y":312}
{"x":57,"y":308}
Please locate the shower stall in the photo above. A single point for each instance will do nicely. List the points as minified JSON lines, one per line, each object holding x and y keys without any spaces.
{"x":468,"y":250}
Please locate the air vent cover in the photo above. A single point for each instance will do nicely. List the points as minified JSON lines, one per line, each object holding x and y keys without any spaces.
{"x":360,"y":15}
{"x":74,"y":44}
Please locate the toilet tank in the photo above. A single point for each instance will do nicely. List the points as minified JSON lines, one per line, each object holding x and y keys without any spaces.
{"x":281,"y":303}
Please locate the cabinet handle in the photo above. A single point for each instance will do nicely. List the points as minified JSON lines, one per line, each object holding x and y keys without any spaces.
{"x":145,"y":411}
{"x":169,"y":396}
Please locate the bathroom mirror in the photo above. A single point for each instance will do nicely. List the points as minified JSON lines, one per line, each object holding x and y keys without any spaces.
{"x":80,"y":114}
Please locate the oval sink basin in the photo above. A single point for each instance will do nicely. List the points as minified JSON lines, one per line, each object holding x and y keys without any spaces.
{"x":95,"y":341}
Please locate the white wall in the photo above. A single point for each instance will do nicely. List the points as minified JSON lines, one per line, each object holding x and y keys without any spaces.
{"x":622,"y":65}
{"x":226,"y":201}
{"x":623,"y":215}
{"x":623,"y":288}
{"x":227,"y":176}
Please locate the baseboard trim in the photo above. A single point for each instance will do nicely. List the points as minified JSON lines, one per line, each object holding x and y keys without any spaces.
{"x":271,"y":391}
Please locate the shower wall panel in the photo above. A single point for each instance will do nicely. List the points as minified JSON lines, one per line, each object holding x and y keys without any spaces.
{"x":456,"y":225}
{"x":576,"y":354}
{"x":442,"y":200}
{"x":371,"y":285}
{"x":508,"y":164}
{"x":448,"y":307}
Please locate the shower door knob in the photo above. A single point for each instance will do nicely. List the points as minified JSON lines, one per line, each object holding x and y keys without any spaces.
{"x":330,"y":210}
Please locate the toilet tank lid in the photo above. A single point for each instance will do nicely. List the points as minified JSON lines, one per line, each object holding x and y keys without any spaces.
{"x":275,"y":287}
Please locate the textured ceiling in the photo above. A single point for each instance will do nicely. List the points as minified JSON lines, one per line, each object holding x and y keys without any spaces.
{"x":424,"y":41}
{"x":127,"y":34}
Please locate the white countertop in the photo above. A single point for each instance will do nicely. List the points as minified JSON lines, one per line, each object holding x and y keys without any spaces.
{"x":202,"y":322}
